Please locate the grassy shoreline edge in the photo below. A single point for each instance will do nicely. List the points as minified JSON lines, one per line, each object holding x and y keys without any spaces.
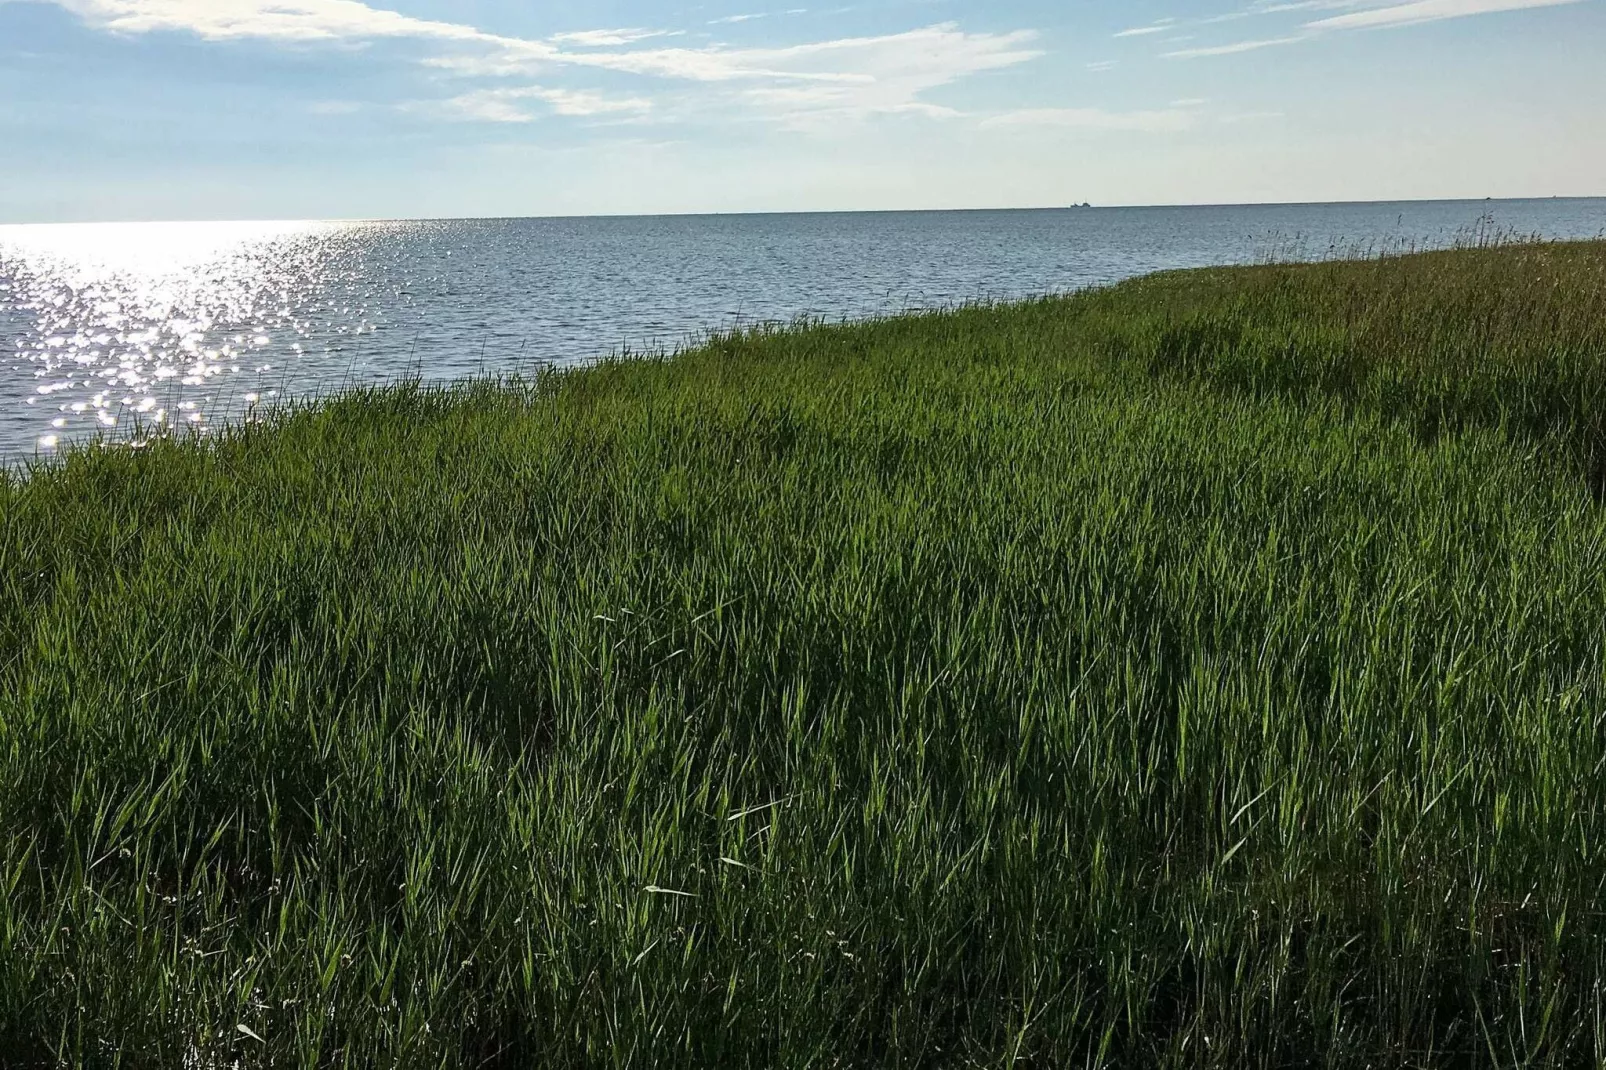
{"x":1205,"y":671}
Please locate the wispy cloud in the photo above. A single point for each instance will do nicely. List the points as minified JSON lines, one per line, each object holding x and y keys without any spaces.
{"x":1356,"y":15}
{"x":848,"y":77}
{"x":509,"y":104}
{"x":1235,"y":47}
{"x":731,"y":20}
{"x":609,"y":38}
{"x":1180,"y":116}
{"x":1166,"y":120}
{"x":284,"y":20}
{"x":1158,"y":26}
{"x":845,"y":79}
{"x":886,"y":75}
{"x":1427,"y":11}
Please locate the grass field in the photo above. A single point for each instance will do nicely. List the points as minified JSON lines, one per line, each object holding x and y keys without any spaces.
{"x":1208,"y":671}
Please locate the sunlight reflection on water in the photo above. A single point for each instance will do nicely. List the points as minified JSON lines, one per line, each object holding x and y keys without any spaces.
{"x":121,"y":330}
{"x":124,"y":327}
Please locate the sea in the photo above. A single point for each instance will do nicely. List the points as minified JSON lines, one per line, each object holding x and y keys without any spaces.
{"x":115,"y":332}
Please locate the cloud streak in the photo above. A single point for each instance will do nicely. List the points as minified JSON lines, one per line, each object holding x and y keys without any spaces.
{"x":282,"y":20}
{"x":1168,"y":120}
{"x":507,"y":104}
{"x":1158,"y":26}
{"x":1360,"y":15}
{"x":849,"y":77}
{"x":1236,"y":47}
{"x":1412,"y":14}
{"x":608,"y":38}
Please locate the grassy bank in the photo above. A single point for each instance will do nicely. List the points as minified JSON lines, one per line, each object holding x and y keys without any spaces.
{"x":1207,"y":672}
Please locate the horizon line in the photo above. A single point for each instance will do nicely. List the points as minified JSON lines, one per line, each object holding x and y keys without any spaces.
{"x":1075,"y":207}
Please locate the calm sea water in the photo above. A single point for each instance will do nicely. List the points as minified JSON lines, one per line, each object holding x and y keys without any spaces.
{"x":116,"y":329}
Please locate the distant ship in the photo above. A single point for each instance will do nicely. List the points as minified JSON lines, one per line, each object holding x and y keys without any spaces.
{"x":1084,"y":204}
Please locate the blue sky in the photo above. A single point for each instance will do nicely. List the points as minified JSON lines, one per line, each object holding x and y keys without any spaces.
{"x":206,"y":109}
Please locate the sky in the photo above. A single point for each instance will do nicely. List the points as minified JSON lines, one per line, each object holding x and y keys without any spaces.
{"x":302,"y":109}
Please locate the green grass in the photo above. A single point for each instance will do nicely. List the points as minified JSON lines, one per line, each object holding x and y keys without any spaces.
{"x":1209,"y":671}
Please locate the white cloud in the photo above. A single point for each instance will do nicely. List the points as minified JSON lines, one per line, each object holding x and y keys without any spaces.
{"x":816,"y":107}
{"x":482,"y":106}
{"x":1167,"y":120}
{"x":1158,"y":26}
{"x":856,"y":78}
{"x":1236,"y":47}
{"x":850,"y":77}
{"x":293,"y":20}
{"x":1264,"y":8}
{"x":1427,"y":11}
{"x":505,"y":104}
{"x":932,"y":56}
{"x":608,"y":38}
{"x":1359,"y":15}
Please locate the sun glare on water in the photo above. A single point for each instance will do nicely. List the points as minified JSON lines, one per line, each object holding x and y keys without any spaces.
{"x":125,"y":329}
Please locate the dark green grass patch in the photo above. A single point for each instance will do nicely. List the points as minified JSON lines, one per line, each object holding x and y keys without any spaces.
{"x":1204,"y":672}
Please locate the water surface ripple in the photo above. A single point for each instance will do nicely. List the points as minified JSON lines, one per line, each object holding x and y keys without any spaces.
{"x":115,"y":330}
